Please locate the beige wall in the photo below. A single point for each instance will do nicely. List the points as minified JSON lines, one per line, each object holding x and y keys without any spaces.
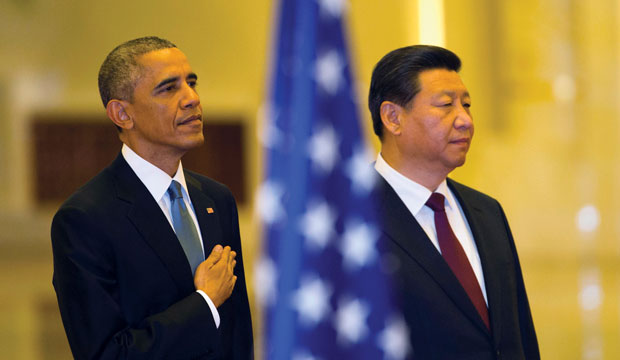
{"x":543,"y":75}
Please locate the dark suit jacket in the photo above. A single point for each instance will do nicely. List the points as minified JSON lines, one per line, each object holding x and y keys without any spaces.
{"x":124,"y":286}
{"x":443,"y":322}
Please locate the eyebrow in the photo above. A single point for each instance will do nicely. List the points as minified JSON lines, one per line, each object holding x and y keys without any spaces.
{"x":173,"y":79}
{"x":452,"y":93}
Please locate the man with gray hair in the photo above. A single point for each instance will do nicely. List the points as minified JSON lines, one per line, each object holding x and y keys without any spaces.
{"x":147,"y":255}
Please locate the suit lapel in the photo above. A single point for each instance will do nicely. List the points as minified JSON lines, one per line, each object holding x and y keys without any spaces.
{"x":146,"y":215}
{"x":406,"y":232}
{"x":206,"y":213}
{"x":483,"y":237}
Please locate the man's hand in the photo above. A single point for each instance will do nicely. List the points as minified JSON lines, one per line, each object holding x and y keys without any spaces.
{"x":215,"y":275}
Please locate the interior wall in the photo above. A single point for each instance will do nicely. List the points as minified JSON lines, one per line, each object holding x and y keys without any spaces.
{"x":544,"y":81}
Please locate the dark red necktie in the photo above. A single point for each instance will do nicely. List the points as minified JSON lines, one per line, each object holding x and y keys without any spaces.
{"x":453,"y":253}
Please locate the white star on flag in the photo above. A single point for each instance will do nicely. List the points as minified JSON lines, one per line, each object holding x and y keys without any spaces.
{"x":317,"y":224}
{"x":323,"y":149}
{"x":350,"y":321}
{"x":311,"y":300}
{"x":358,"y":244}
{"x":265,"y":275}
{"x":394,"y":340}
{"x":328,"y":71}
{"x":333,"y":8}
{"x":268,"y":204}
{"x":359,"y":169}
{"x":303,"y":355}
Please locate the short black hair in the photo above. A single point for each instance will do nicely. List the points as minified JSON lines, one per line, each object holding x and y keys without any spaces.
{"x":396,"y":76}
{"x":120,"y":69}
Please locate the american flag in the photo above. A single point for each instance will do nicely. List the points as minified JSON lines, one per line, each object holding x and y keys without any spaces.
{"x":319,"y":279}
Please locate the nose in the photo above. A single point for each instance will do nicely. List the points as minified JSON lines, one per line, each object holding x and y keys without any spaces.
{"x":190,"y":97}
{"x":464,"y":119}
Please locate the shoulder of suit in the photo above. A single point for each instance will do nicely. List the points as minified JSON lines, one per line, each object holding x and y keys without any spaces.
{"x":207,"y":184}
{"x":95,"y":191}
{"x":469,"y":193}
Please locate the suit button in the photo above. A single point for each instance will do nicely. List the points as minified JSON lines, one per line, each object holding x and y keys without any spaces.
{"x":498,"y":354}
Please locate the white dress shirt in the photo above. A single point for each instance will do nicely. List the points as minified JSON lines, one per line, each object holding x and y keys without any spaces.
{"x":414,"y":196}
{"x":157,"y":183}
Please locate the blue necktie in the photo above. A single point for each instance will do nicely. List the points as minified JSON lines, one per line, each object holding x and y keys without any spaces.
{"x":184,"y":226}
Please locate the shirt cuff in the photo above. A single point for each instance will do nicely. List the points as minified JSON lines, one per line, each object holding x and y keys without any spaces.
{"x":216,"y":315}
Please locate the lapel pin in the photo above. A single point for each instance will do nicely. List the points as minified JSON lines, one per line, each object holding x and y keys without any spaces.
{"x":210,"y":210}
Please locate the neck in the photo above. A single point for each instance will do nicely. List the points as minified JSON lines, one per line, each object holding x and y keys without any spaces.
{"x":169,"y":166}
{"x":427,"y":175}
{"x":166,"y":161}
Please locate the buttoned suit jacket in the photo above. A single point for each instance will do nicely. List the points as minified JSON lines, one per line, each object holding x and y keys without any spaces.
{"x":124,"y":285}
{"x":442,"y":320}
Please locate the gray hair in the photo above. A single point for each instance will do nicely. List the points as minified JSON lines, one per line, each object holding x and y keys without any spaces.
{"x":120,"y":69}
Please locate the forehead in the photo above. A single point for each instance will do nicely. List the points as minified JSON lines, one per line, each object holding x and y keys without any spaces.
{"x":441,"y":81}
{"x":164,"y":63}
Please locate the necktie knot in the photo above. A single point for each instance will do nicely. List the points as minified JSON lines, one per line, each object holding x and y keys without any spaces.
{"x":436,"y":202}
{"x":174,"y":190}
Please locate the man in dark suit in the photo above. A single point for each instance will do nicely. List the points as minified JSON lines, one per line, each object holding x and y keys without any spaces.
{"x":458,"y":275}
{"x":129,"y":247}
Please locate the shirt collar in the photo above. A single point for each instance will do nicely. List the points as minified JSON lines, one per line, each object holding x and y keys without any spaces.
{"x":154,"y":178}
{"x":415,"y":194}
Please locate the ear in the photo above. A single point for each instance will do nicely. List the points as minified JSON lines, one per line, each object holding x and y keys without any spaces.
{"x":390,"y":117}
{"x":117,"y":112}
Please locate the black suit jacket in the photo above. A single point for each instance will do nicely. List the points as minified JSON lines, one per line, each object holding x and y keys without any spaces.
{"x":443,"y":322}
{"x":125,"y":288}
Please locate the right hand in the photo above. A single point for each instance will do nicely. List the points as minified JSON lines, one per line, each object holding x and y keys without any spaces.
{"x":215,"y":276}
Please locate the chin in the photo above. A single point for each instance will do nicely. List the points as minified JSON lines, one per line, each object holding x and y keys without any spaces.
{"x":194,"y":142}
{"x":457,"y":163}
